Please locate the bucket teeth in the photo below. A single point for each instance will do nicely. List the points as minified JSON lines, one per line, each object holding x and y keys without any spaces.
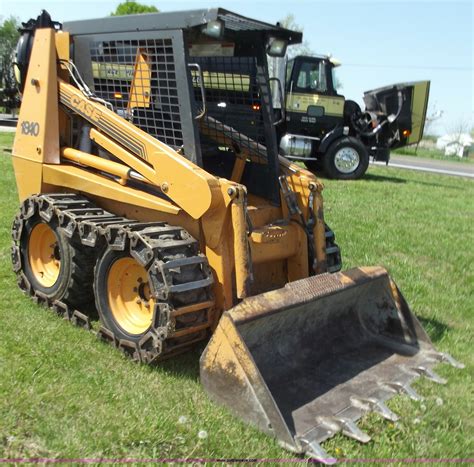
{"x":374,"y":405}
{"x":430,"y":374}
{"x":315,"y":451}
{"x":351,"y":430}
{"x":446,"y":358}
{"x":402,"y":388}
{"x":345,"y":426}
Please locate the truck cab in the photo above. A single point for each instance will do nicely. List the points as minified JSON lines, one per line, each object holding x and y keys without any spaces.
{"x":320,"y":127}
{"x":313,"y":106}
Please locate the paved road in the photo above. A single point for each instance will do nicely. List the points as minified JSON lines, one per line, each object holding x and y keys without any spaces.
{"x":7,"y":121}
{"x":7,"y":129}
{"x":459,"y":169}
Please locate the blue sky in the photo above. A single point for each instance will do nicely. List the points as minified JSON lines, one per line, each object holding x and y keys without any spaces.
{"x":378,"y":42}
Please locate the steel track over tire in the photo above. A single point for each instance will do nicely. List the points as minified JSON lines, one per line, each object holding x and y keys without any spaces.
{"x":179,"y":278}
{"x":154,"y":294}
{"x":48,"y":263}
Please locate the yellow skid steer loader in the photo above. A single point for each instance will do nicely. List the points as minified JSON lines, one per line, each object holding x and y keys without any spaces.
{"x":152,"y":192}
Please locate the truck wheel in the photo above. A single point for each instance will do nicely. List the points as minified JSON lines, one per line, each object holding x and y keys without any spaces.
{"x":346,"y":159}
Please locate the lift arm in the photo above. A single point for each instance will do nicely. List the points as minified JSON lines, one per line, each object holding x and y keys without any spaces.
{"x":177,"y":177}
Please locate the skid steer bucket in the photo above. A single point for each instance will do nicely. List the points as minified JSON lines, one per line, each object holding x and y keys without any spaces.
{"x":306,"y":361}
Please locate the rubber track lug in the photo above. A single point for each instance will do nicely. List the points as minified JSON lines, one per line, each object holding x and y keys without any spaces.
{"x":17,"y":228}
{"x":28,"y":208}
{"x":151,"y":346}
{"x":48,"y":204}
{"x":161,"y":315}
{"x":116,"y":237}
{"x":24,"y":283}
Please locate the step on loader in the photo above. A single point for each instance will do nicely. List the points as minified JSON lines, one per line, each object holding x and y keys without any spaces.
{"x":152,"y":193}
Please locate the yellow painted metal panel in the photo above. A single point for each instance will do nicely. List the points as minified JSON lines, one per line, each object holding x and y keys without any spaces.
{"x":419,"y":104}
{"x":28,"y":176}
{"x":299,"y":102}
{"x":37,"y":134}
{"x":62,"y":39}
{"x":140,"y":90}
{"x":274,"y":242}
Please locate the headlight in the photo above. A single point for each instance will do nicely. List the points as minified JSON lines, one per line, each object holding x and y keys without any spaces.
{"x":276,"y":47}
{"x":214,"y":29}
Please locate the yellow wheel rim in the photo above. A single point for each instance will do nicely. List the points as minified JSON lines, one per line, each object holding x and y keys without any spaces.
{"x":128,"y":294}
{"x":44,"y":255}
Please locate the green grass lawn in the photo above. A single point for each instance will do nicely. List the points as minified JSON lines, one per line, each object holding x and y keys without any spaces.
{"x":63,"y":394}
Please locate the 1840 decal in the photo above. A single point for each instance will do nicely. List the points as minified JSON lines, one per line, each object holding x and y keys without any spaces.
{"x":30,"y":128}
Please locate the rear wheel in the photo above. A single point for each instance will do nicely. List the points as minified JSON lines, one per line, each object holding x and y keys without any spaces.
{"x":46,"y":258}
{"x":346,"y":159}
{"x":50,"y":264}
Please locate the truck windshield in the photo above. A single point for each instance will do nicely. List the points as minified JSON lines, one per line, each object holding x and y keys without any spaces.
{"x":312,"y":77}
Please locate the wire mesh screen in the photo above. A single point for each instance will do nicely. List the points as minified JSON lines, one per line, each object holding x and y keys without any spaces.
{"x":234,"y":105}
{"x":139,"y":78}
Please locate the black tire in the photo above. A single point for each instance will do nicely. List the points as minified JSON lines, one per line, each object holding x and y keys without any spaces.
{"x":73,"y":285}
{"x":357,"y":159}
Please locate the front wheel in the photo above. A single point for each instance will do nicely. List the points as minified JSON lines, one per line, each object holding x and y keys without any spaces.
{"x":156,"y":292}
{"x":346,"y":159}
{"x":123,"y":296}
